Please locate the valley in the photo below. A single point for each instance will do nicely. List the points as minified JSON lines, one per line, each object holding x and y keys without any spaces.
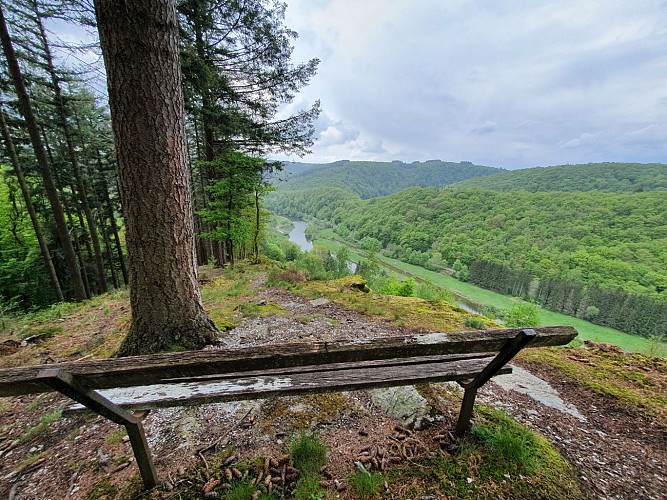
{"x":474,"y":299}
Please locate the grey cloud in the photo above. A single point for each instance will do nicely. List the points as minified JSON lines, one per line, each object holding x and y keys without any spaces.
{"x":569,"y":81}
{"x":485,"y":128}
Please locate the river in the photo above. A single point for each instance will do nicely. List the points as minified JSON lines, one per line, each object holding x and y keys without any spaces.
{"x":298,"y":235}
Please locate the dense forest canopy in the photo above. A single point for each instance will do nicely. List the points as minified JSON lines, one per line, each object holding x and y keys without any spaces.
{"x":369,"y":179}
{"x":572,"y":251}
{"x":597,"y":238}
{"x":607,"y":177}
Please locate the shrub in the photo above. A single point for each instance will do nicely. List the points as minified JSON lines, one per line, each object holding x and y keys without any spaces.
{"x":289,"y":275}
{"x":591,"y":312}
{"x":474,"y":322}
{"x":522,"y":314}
{"x":428,"y":291}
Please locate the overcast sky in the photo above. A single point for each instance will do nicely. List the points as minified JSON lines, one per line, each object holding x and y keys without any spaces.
{"x":503,"y":83}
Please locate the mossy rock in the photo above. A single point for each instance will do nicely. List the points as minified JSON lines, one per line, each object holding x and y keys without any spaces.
{"x":355,"y":282}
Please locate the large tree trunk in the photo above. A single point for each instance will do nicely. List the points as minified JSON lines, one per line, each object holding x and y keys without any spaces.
{"x":44,"y":167}
{"x":46,"y":255}
{"x":140,"y":47}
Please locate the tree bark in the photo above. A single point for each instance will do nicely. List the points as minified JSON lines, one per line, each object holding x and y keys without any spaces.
{"x":46,"y":255}
{"x":44,"y":167}
{"x":140,"y":47}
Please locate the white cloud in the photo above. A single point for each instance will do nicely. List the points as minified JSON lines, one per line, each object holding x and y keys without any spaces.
{"x":336,"y":134}
{"x":583,"y":140}
{"x":569,"y":81}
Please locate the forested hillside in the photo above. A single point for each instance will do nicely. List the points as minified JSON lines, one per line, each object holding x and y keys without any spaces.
{"x":369,"y":179}
{"x":607,"y":177}
{"x":595,"y":255}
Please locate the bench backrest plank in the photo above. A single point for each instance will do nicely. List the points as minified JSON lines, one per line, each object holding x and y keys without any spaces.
{"x":298,"y":381}
{"x":160,"y":368}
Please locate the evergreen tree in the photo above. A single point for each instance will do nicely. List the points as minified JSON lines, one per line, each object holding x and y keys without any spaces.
{"x":140,"y":46}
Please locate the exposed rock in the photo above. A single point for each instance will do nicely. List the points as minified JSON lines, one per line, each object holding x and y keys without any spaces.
{"x":526,"y":383}
{"x":402,"y":403}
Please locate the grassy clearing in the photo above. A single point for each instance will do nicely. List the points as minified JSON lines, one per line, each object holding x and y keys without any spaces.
{"x":486,"y":298}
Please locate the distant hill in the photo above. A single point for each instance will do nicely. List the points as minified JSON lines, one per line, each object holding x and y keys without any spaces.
{"x":371,"y":179}
{"x":605,"y":177}
{"x":294,"y":169}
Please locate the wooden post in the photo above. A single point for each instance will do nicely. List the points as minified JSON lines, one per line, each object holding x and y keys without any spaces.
{"x":466,"y":411}
{"x":70,"y":386}
{"x":507,"y":352}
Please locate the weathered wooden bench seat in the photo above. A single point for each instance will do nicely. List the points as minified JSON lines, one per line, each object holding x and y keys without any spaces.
{"x":113,"y":388}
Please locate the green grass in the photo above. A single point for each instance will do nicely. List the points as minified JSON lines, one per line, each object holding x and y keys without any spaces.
{"x":44,"y":422}
{"x":308,"y":453}
{"x":308,"y":488}
{"x":365,"y":484}
{"x":116,"y":437}
{"x":240,"y":490}
{"x":487,"y":298}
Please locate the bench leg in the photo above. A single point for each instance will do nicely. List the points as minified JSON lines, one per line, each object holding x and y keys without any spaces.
{"x":142,"y":453}
{"x":506,"y":353}
{"x":466,"y":411}
{"x":71,"y":386}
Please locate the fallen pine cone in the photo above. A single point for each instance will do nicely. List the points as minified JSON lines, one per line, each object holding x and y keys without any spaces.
{"x":208,"y":487}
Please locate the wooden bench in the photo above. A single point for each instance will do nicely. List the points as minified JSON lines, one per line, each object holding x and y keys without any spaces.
{"x":115,"y":388}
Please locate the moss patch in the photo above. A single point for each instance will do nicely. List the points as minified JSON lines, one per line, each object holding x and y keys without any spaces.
{"x":304,"y":412}
{"x":638,"y":382}
{"x":409,"y":312}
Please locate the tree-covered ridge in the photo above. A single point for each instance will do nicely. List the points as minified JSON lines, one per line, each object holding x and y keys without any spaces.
{"x":607,"y":177}
{"x":567,"y":243}
{"x":370,"y":179}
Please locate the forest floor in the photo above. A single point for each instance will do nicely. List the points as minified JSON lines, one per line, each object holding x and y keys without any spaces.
{"x":610,"y":425}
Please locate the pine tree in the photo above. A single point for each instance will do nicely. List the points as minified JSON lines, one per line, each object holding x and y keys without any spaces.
{"x":140,"y":46}
{"x":32,"y":127}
